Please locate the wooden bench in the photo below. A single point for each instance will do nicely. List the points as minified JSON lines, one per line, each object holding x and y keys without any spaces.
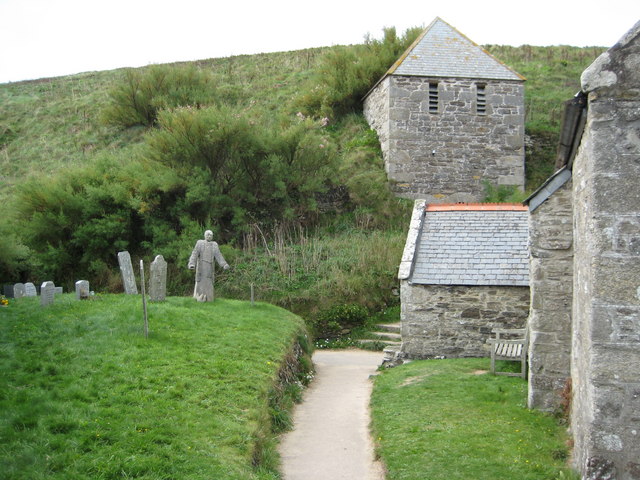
{"x":513,"y":348}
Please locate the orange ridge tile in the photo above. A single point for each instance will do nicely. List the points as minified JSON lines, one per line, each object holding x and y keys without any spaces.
{"x":462,"y":207}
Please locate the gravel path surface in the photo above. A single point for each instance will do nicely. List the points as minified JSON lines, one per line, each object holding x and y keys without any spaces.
{"x":330,"y":439}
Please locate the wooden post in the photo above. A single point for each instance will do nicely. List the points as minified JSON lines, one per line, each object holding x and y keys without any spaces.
{"x":252,"y":294}
{"x":144,"y":301}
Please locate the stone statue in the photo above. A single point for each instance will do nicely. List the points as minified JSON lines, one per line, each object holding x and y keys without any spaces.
{"x":203,"y":258}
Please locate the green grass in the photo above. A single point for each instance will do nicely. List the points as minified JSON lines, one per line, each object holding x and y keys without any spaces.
{"x":449,"y":419}
{"x":52,"y":123}
{"x":312,"y":272}
{"x":83,"y":395}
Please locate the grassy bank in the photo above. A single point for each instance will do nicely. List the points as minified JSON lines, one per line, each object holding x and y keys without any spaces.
{"x":84,"y":395}
{"x":450,"y":420}
{"x":312,"y":272}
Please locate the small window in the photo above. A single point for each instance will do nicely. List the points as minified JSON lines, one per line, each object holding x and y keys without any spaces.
{"x":481,"y":100}
{"x":433,"y":97}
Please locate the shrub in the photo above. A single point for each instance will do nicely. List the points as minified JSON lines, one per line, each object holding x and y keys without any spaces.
{"x":77,"y":221}
{"x":142,"y":94}
{"x":332,"y":321}
{"x":15,"y":258}
{"x":362,"y":171}
{"x":241,"y":170}
{"x":345,"y":75}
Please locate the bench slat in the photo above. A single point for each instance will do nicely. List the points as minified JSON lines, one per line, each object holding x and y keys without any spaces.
{"x":512,"y":349}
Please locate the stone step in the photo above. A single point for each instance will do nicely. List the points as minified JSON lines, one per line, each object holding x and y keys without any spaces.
{"x":393,"y":357}
{"x":395,"y":337}
{"x":386,"y":343}
{"x":388,"y":327}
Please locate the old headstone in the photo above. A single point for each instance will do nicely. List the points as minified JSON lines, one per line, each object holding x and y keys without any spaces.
{"x":30,"y":290}
{"x":128,"y":278}
{"x":59,"y":290}
{"x":8,"y":291}
{"x":47,"y":292}
{"x":158,"y":279}
{"x":82,"y":289}
{"x":18,"y":290}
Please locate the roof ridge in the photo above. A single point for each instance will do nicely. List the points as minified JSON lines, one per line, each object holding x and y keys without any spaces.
{"x":487,"y":207}
{"x":430,"y":27}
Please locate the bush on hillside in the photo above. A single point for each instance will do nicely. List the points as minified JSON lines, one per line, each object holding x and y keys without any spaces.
{"x":338,"y":318}
{"x":144,"y":93}
{"x":346,"y":74}
{"x":77,"y":221}
{"x":361,"y":171}
{"x":16,"y":257}
{"x":208,"y":168}
{"x":247,"y":171}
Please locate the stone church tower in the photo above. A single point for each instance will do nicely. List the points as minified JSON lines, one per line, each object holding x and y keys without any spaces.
{"x":449,"y":117}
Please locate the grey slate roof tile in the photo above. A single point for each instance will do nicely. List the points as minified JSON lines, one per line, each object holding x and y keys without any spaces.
{"x":473,"y":248}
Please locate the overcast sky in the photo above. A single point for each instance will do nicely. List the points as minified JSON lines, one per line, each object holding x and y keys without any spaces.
{"x":44,"y":38}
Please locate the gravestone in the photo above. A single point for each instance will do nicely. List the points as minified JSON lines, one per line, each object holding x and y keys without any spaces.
{"x":18,"y":290}
{"x":47,"y":293}
{"x":128,"y":278}
{"x":30,"y":290}
{"x":59,"y":290}
{"x":8,"y":291}
{"x":82,"y":289}
{"x":158,"y":279}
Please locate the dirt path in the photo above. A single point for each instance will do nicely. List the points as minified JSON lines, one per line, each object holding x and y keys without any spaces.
{"x":331,"y":440}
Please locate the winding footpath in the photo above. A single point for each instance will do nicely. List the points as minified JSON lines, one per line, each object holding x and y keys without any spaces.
{"x":331,"y":439}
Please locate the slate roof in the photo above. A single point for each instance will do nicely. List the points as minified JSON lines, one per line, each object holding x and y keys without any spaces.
{"x":472,"y":244}
{"x":442,"y":51}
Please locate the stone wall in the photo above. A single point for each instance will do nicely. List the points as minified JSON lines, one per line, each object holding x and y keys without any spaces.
{"x":606,"y":304}
{"x":376,"y":111}
{"x":456,"y":321}
{"x":446,"y":156}
{"x":551,"y":282}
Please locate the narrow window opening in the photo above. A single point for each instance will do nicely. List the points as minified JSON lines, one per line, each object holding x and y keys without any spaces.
{"x":481,"y":100}
{"x":433,"y":97}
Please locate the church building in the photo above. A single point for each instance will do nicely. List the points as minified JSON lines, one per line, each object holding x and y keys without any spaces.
{"x":449,"y":117}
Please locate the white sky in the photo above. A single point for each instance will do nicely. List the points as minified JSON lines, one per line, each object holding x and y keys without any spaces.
{"x":44,"y":38}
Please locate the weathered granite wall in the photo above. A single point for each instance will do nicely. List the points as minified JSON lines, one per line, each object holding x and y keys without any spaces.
{"x":551,"y":283}
{"x":376,"y":111}
{"x":456,"y":321}
{"x":445,"y":156}
{"x":606,"y":304}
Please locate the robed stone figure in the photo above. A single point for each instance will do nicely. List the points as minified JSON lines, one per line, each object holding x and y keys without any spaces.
{"x":202,"y":259}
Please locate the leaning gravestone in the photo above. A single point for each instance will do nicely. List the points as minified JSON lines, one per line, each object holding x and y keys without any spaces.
{"x":47,"y":293}
{"x":82,"y":289}
{"x":30,"y":290}
{"x":128,"y":278}
{"x":18,"y":290}
{"x":158,"y":279}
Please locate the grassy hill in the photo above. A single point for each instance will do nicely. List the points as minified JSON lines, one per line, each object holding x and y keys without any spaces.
{"x":84,"y":395}
{"x":55,"y":123}
{"x":303,"y":213}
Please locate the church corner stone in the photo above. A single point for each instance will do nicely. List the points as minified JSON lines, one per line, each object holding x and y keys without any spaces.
{"x":551,"y":271}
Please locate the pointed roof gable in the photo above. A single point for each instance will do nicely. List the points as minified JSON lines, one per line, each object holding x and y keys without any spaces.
{"x":442,"y":51}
